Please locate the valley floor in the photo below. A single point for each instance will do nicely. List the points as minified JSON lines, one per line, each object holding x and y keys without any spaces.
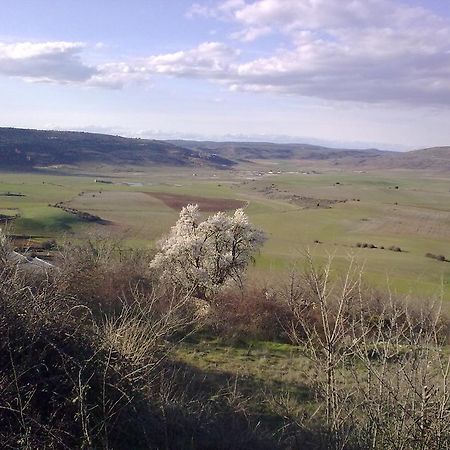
{"x":329,"y":212}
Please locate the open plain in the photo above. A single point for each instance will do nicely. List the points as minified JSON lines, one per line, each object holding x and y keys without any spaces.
{"x":388,"y":220}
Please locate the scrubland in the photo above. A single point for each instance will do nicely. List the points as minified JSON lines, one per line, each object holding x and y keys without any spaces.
{"x":101,"y":353}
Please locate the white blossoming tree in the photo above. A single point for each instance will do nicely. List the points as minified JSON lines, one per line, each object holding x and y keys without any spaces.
{"x":202,"y":256}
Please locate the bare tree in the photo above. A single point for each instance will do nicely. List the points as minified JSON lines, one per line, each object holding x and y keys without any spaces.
{"x":379,"y":368}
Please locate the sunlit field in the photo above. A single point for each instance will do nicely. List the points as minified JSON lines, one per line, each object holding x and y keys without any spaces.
{"x":330,"y":213}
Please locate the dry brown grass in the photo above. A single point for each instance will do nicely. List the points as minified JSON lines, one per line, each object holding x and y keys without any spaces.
{"x":250,"y":313}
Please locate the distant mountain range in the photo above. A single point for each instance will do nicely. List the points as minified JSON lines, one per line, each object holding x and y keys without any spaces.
{"x":23,"y":149}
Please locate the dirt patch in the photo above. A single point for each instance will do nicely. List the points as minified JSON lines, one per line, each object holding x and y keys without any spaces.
{"x":177,"y":201}
{"x":273,"y":192}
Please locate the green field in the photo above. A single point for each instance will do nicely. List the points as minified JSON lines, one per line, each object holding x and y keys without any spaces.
{"x":410,"y":210}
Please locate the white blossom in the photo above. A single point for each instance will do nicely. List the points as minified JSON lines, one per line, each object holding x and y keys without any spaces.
{"x":202,"y":256}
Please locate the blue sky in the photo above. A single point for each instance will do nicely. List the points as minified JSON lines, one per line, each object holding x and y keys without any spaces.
{"x":343,"y":72}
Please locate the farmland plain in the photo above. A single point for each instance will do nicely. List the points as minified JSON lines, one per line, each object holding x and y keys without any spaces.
{"x":326,"y":211}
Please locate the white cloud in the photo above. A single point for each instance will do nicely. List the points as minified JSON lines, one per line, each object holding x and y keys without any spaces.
{"x":117,"y":75}
{"x":291,"y":15}
{"x":198,"y":10}
{"x":45,"y":61}
{"x":367,"y":51}
{"x":225,"y":8}
{"x":251,"y":34}
{"x":61,"y":62}
{"x":209,"y":60}
{"x":348,"y":50}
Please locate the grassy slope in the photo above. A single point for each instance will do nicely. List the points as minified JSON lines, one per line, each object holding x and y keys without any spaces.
{"x":263,"y":370}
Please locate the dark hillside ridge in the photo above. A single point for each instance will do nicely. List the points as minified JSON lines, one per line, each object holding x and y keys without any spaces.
{"x":24,"y":149}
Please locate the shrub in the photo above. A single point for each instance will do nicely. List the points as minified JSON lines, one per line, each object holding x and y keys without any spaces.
{"x":365,"y":245}
{"x":101,"y":274}
{"x":437,"y":257}
{"x":64,"y":381}
{"x":253,"y":313}
{"x":5,"y":249}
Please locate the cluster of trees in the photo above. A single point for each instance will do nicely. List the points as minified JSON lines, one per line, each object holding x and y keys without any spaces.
{"x":82,"y":215}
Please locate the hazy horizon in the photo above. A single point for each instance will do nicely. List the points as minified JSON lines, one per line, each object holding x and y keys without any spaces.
{"x":267,"y":139}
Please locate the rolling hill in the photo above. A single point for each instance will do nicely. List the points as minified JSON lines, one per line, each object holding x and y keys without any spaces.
{"x":23,"y":149}
{"x":436,"y":159}
{"x":431,"y":159}
{"x":266,"y":150}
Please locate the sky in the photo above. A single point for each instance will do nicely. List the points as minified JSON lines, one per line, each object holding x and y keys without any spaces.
{"x":362,"y":73}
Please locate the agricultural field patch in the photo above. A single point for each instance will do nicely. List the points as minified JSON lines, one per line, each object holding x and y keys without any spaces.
{"x":177,"y":201}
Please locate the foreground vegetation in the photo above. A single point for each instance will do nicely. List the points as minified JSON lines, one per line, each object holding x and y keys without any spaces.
{"x":101,"y":353}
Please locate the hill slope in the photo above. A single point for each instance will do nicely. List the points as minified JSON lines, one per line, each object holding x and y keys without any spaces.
{"x":436,"y":159}
{"x":433,"y":159}
{"x":267,"y":150}
{"x":25,"y":149}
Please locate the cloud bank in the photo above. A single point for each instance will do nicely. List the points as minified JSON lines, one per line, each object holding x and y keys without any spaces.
{"x":366,"y":51}
{"x":45,"y":61}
